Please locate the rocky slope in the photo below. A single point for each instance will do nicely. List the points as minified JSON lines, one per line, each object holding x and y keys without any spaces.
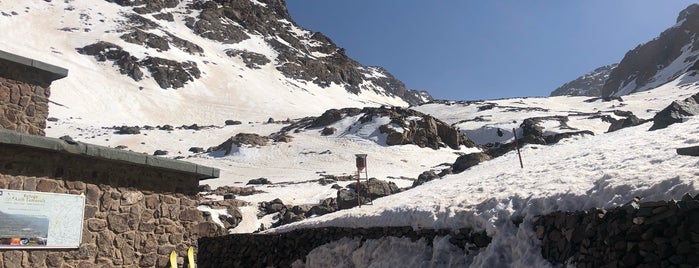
{"x":242,"y":59}
{"x":659,"y":61}
{"x":589,"y":84}
{"x":300,"y":54}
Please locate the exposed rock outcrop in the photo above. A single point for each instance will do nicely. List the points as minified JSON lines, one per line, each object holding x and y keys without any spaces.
{"x":238,"y":140}
{"x":589,"y":84}
{"x":639,"y":68}
{"x":676,"y":112}
{"x":466,"y":161}
{"x":301,"y":55}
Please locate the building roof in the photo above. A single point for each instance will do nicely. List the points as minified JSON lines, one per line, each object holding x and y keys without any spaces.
{"x":101,"y":152}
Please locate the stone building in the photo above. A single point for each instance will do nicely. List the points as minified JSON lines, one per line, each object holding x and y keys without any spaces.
{"x":24,"y":92}
{"x":137,"y":208}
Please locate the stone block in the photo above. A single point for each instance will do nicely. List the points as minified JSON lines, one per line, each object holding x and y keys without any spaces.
{"x":47,"y":185}
{"x":118,"y":223}
{"x":54,"y":259}
{"x":96,"y":225}
{"x":38,"y":258}
{"x":131,"y":197}
{"x":92,"y":194}
{"x":12,"y":259}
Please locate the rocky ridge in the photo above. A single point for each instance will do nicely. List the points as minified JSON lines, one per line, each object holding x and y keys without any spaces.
{"x":301,"y":55}
{"x":660,"y":60}
{"x":589,"y":84}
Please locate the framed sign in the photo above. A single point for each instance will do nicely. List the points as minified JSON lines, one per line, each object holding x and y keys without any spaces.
{"x":40,"y":220}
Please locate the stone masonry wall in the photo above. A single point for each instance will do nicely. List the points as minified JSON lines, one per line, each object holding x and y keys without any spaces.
{"x":283,"y":249}
{"x":134,"y":216}
{"x":23,"y":107}
{"x":648,"y":234}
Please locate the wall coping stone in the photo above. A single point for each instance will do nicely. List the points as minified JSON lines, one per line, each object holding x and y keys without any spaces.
{"x":95,"y":151}
{"x":53,"y":71}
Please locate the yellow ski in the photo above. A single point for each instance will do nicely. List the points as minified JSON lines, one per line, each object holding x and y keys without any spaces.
{"x":190,"y":257}
{"x":173,"y":259}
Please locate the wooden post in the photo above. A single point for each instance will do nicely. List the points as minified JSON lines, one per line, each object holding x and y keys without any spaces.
{"x":514,"y":132}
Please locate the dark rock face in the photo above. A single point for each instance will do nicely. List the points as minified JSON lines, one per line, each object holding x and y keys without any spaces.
{"x":676,"y":112}
{"x":311,"y":57}
{"x":168,"y":73}
{"x":589,"y":84}
{"x":640,"y":65}
{"x":302,"y":55}
{"x":466,"y":161}
{"x":252,"y":60}
{"x":417,"y":128}
{"x":631,"y":120}
{"x":103,"y":51}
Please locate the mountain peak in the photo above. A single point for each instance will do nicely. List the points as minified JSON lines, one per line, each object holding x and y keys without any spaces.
{"x":689,"y":11}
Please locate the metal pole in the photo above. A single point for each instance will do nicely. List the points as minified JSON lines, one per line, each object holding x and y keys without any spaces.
{"x":366,"y":173}
{"x":514,"y":132}
{"x":359,"y":198}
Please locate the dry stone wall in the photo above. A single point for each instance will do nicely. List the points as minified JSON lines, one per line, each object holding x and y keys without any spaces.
{"x":24,"y":107}
{"x":134,"y":216}
{"x":283,"y":249}
{"x":647,"y":234}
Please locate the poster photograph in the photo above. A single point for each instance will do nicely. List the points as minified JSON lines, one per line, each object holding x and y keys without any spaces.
{"x":40,"y":220}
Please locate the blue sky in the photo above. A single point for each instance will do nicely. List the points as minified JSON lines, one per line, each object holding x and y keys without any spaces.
{"x":467,"y":49}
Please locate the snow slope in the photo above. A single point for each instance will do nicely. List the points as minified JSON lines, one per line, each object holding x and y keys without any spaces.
{"x":593,"y":171}
{"x":604,"y":170}
{"x":96,"y":93}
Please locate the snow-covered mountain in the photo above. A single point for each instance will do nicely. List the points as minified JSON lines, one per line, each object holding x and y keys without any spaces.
{"x":589,"y":84}
{"x":142,"y":61}
{"x":169,"y":62}
{"x":660,"y":60}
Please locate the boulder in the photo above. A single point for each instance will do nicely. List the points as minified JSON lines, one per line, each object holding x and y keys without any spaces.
{"x":196,"y":150}
{"x":631,"y":120}
{"x":328,"y":131}
{"x":232,"y":122}
{"x":425,"y":177}
{"x":127,"y":130}
{"x":328,"y":205}
{"x":374,"y":188}
{"x":240,"y":139}
{"x":259,"y":181}
{"x":466,"y":161}
{"x":327,"y":118}
{"x":676,"y":112}
{"x":233,"y":218}
{"x":348,"y":199}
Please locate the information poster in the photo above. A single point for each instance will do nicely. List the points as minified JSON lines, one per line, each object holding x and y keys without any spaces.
{"x":40,"y":220}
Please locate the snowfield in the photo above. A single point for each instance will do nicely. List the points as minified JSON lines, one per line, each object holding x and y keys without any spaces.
{"x":583,"y":172}
{"x":579,"y":173}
